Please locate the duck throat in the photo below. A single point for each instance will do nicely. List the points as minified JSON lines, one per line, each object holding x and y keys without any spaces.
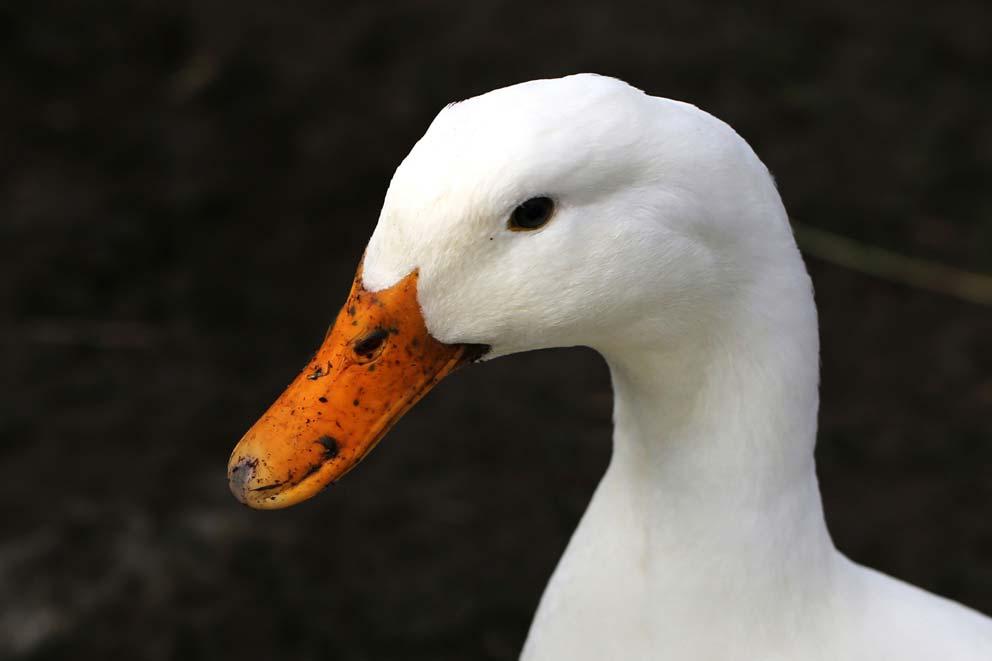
{"x":722,"y":422}
{"x":716,"y":429}
{"x":714,"y":438}
{"x":710,"y":510}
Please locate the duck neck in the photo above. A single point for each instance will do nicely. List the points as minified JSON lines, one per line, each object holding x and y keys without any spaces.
{"x":712,"y":467}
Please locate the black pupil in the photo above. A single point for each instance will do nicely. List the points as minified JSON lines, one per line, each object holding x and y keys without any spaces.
{"x":532,"y":214}
{"x":370,"y":343}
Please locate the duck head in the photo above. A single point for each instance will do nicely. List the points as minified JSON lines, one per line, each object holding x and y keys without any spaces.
{"x":574,"y":211}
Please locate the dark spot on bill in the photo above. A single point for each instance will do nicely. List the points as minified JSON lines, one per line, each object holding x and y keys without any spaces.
{"x":331,"y":447}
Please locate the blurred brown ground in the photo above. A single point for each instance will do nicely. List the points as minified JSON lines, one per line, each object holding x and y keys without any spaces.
{"x":185,"y":191}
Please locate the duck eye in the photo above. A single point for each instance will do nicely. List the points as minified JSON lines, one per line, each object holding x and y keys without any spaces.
{"x":532,"y":214}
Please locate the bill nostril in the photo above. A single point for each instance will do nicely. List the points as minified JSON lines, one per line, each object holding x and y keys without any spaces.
{"x":368,"y":346}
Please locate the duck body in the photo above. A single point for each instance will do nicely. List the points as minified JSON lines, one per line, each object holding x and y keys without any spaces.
{"x":668,"y":251}
{"x":613,"y":600}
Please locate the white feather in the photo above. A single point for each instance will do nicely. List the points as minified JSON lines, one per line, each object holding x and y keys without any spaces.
{"x":671,"y":254}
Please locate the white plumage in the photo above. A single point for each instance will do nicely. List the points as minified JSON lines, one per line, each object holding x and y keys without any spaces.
{"x":671,"y":254}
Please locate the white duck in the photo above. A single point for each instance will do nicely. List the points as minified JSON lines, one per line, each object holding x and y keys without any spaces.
{"x":580,"y":211}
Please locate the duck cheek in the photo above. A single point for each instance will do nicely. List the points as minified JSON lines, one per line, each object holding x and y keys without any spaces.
{"x":377,"y":360}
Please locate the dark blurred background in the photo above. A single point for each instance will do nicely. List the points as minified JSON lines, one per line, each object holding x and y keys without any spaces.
{"x":185,"y":191}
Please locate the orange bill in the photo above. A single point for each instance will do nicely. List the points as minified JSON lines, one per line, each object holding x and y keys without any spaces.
{"x":376,"y":361}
